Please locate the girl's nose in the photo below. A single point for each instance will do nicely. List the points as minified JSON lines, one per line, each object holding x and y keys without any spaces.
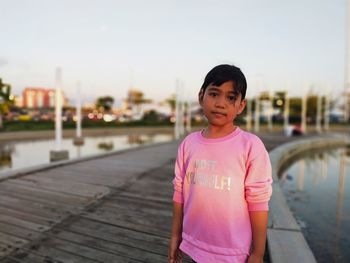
{"x":220,"y":101}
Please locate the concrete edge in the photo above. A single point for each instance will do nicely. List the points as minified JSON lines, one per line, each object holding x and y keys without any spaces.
{"x":286,"y":226}
{"x":42,"y":167}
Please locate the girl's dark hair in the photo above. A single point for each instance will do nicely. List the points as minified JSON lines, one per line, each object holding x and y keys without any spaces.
{"x":223,"y":73}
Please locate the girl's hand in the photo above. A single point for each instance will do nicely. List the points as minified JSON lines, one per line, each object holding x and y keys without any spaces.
{"x":255,"y":259}
{"x":174,"y":253}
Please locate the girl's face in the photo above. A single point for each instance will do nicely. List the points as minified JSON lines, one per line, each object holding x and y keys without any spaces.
{"x":221,"y":104}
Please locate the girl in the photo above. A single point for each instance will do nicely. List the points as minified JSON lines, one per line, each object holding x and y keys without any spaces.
{"x":222,"y":181}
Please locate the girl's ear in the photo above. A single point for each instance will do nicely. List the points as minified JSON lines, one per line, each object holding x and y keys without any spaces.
{"x":242,"y":105}
{"x":200,"y":97}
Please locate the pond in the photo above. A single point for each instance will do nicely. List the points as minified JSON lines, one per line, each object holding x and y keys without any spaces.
{"x":23,"y":154}
{"x":317,"y":189}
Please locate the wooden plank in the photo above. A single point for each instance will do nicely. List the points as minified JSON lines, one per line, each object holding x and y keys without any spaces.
{"x":85,"y":251}
{"x":96,"y":179}
{"x":102,"y":163}
{"x":145,"y":210}
{"x":133,"y":215}
{"x":164,"y":176}
{"x":5,"y":250}
{"x":108,"y":166}
{"x":12,"y":241}
{"x":31,"y":205}
{"x":140,"y":202}
{"x":121,"y":172}
{"x":22,"y":223}
{"x":119,"y":235}
{"x":72,"y":188}
{"x":32,"y":258}
{"x":28,"y":216}
{"x":110,"y":247}
{"x":44,"y":194}
{"x":149,"y":191}
{"x":19,"y":231}
{"x":18,"y":195}
{"x":141,"y":161}
{"x":49,"y":254}
{"x":8,"y":260}
{"x":54,"y":214}
{"x":141,"y":224}
{"x":91,"y":168}
{"x":147,"y":181}
{"x":9,"y":243}
{"x":148,"y":198}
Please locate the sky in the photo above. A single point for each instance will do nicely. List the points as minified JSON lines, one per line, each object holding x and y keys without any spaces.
{"x":110,"y":46}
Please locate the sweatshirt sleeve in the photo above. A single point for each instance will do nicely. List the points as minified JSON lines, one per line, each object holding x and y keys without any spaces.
{"x":258,"y":189}
{"x":179,"y":175}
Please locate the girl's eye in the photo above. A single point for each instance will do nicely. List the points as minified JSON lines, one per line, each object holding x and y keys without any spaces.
{"x":231,"y":98}
{"x":213,"y":94}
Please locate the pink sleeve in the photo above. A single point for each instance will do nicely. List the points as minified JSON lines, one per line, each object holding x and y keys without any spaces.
{"x":179,"y":175}
{"x":258,"y":189}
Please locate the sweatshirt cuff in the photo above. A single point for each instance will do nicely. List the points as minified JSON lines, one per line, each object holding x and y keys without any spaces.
{"x":177,"y":197}
{"x":263,"y":206}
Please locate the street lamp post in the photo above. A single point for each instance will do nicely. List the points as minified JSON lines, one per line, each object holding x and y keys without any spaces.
{"x":304,"y":109}
{"x":270,"y":111}
{"x":257,"y":114}
{"x":327,"y":110}
{"x":319,"y":113}
{"x":177,"y":110}
{"x":58,"y":154}
{"x":249,"y":115}
{"x":78,"y":140}
{"x":286,"y":111}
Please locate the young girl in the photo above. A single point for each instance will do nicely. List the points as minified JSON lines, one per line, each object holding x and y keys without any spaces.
{"x":222,"y":181}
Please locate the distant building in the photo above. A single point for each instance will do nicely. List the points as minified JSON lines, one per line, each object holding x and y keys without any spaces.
{"x":18,"y":101}
{"x":40,"y":98}
{"x":132,"y":105}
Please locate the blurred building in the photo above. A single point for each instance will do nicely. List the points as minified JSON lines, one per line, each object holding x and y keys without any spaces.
{"x":37,"y":98}
{"x":133,"y":104}
{"x":18,"y":101}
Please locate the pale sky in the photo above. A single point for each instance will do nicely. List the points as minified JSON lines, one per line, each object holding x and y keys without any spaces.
{"x":109,"y":44}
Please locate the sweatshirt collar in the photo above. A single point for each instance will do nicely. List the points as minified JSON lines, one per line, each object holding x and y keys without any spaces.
{"x":220,"y":139}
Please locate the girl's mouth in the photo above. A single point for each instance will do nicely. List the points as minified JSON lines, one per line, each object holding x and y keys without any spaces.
{"x":218,"y":114}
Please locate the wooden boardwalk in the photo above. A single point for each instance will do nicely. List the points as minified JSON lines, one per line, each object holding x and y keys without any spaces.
{"x":111,"y":209}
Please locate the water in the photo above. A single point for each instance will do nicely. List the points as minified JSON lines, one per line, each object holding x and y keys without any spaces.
{"x":15,"y":155}
{"x":317,"y":189}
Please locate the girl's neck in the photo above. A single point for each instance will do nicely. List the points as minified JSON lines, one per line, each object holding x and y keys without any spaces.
{"x":212,"y":132}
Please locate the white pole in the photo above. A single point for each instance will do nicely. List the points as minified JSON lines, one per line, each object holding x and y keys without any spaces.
{"x":78,"y":134}
{"x":183,"y":108}
{"x":257,"y":103}
{"x":270,"y":111}
{"x":304,"y":110}
{"x":58,"y":109}
{"x":286,"y":111}
{"x":189,"y":116}
{"x":249,"y":115}
{"x":180,"y":109}
{"x":257,"y":114}
{"x":327,"y":109}
{"x":319,"y":113}
{"x":177,"y":135}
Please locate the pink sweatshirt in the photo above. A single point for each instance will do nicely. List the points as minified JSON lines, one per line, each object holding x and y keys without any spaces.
{"x":219,"y":181}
